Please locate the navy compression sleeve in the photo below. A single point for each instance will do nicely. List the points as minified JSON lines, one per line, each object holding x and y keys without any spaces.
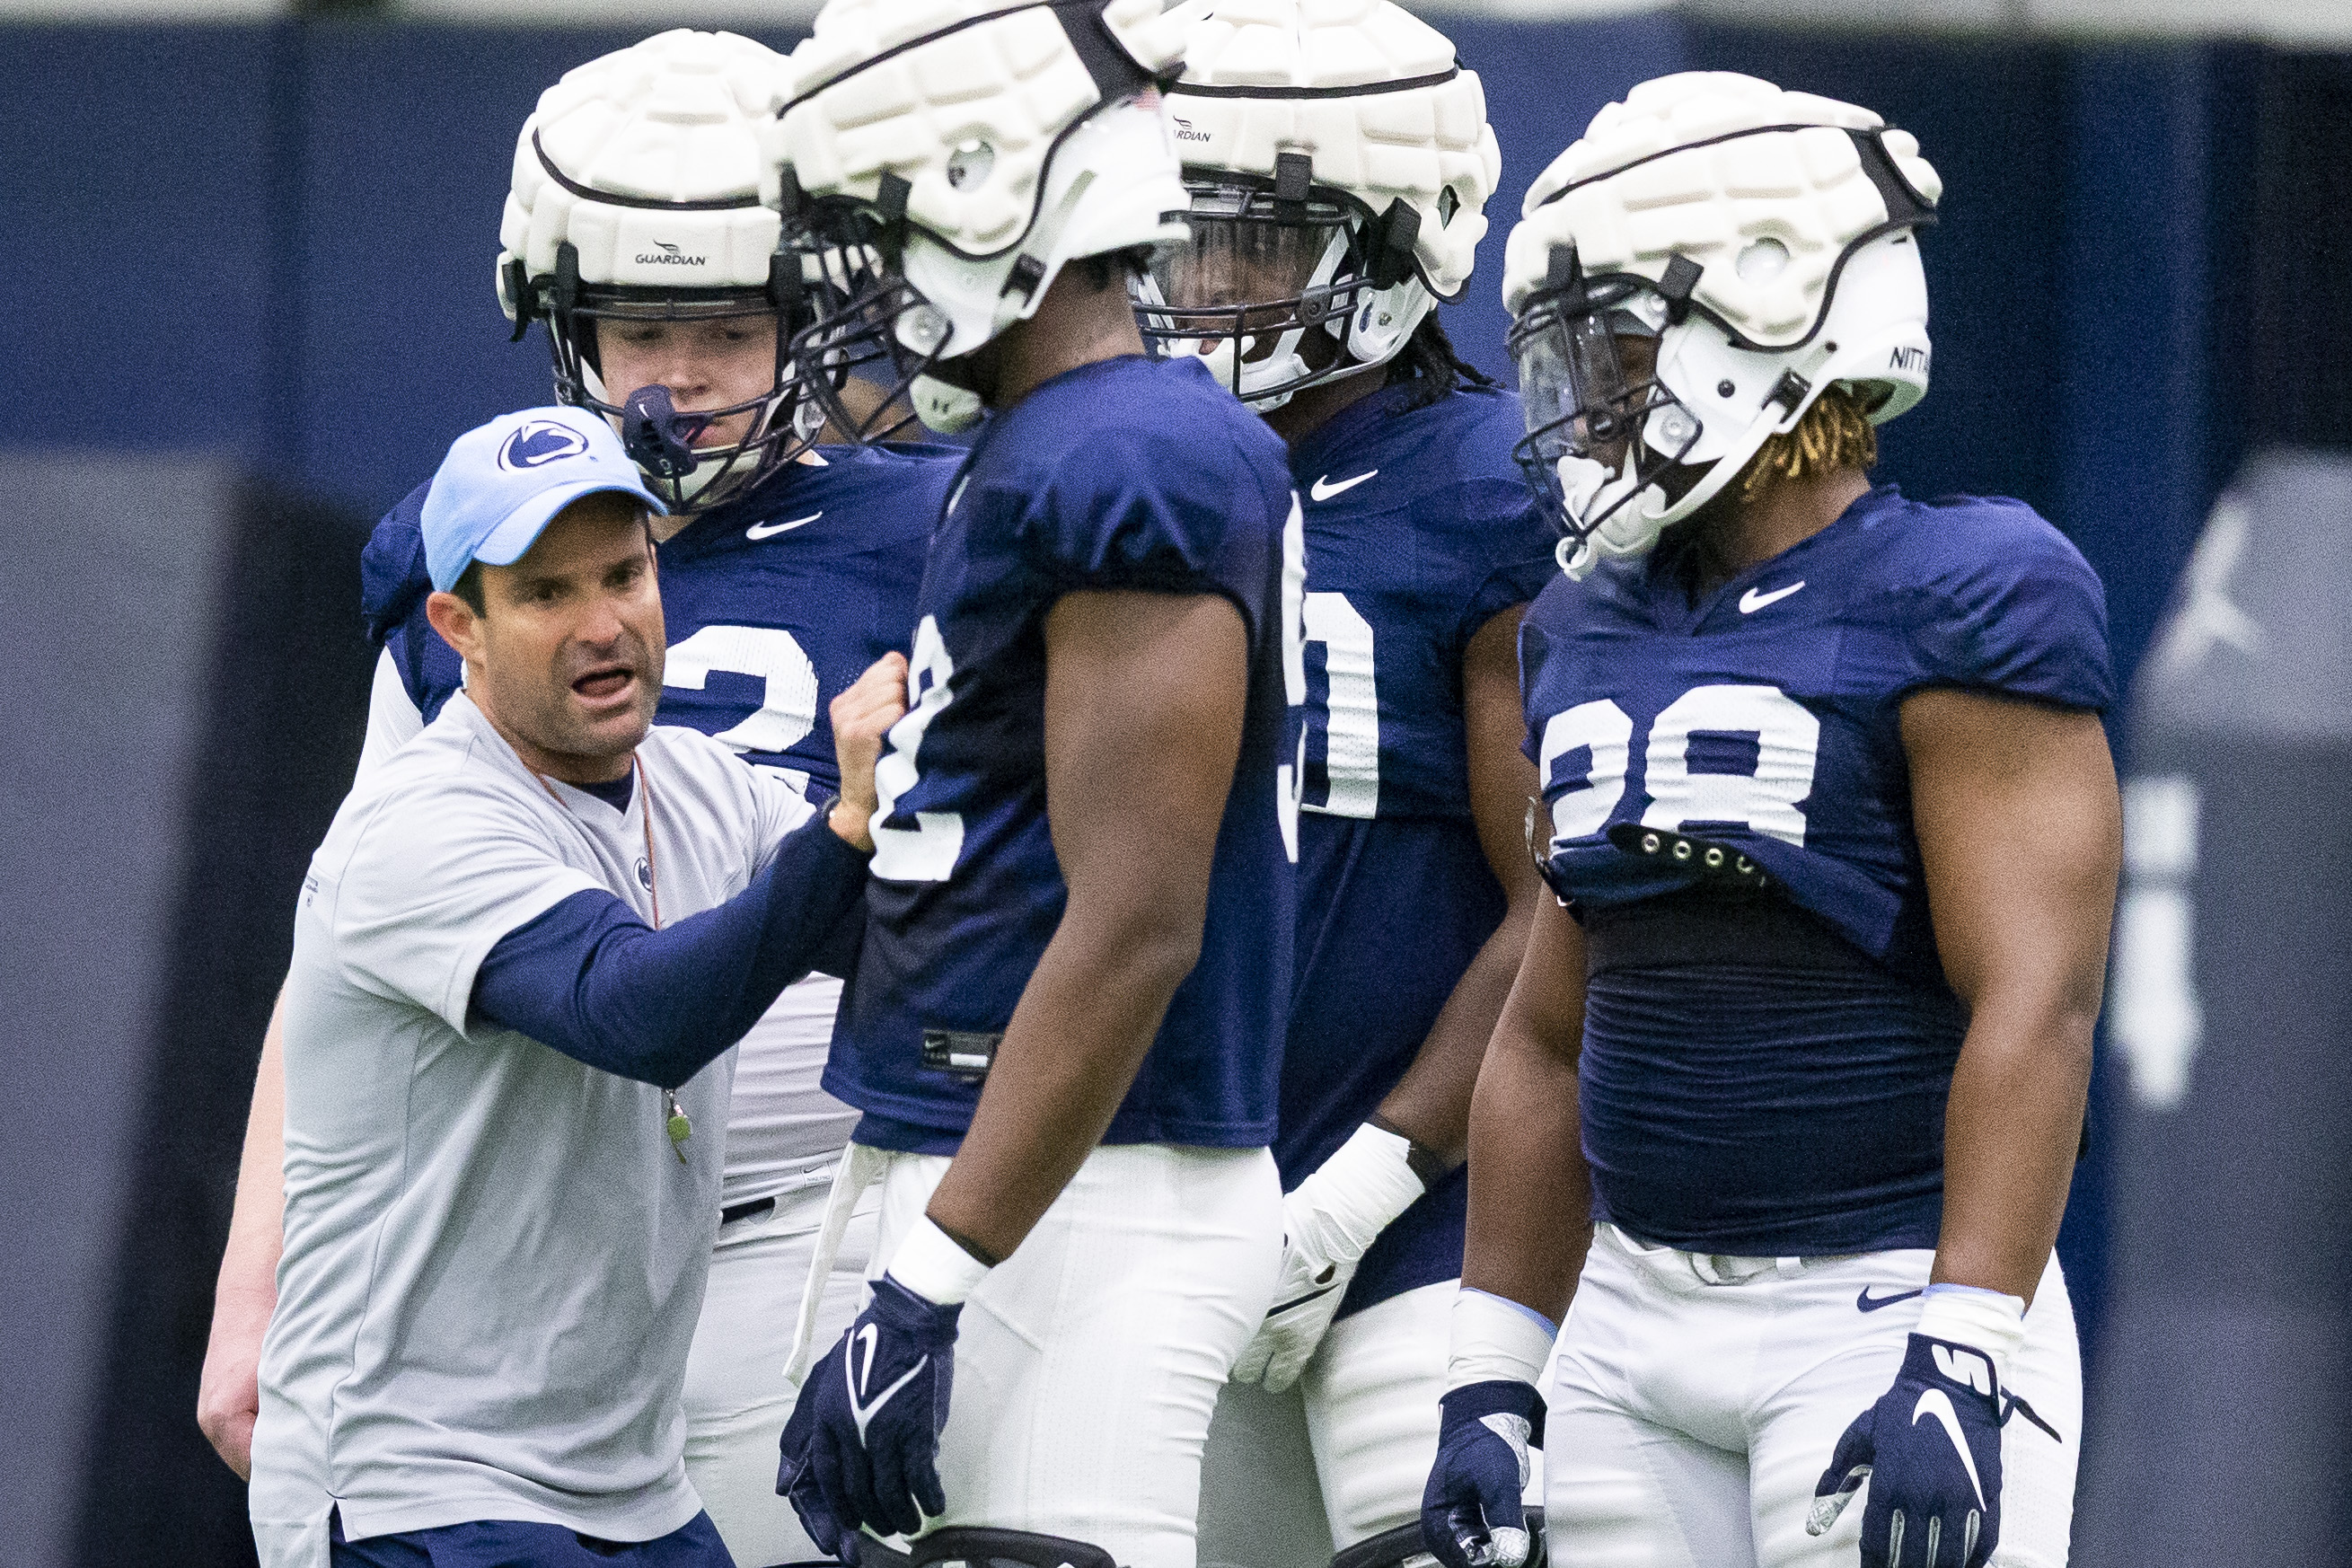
{"x":593,"y":981}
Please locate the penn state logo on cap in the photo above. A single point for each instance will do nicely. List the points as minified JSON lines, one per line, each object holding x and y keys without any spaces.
{"x":504,"y":481}
{"x":539,"y":442}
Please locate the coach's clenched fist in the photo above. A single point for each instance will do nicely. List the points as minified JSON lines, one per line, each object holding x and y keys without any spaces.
{"x":862,"y":716}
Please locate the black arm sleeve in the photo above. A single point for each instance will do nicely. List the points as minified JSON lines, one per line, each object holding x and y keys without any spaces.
{"x":594,"y":982}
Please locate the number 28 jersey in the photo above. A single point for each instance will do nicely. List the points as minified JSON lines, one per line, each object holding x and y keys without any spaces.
{"x":1122,"y":475}
{"x":1766,"y":1096}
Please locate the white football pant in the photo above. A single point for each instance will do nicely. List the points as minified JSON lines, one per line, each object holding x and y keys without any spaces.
{"x":1367,"y":1408}
{"x":1088,"y":1363}
{"x":1696,"y":1400}
{"x":737,"y":1400}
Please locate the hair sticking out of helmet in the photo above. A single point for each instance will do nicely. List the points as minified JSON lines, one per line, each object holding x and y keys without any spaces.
{"x":941,"y":163}
{"x":1690,"y":278}
{"x":1337,"y":162}
{"x":635,"y":229}
{"x":1834,"y":434}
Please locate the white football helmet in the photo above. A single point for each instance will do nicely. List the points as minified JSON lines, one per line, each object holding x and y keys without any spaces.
{"x":1689,"y":277}
{"x":1338,"y":161}
{"x":636,"y":198}
{"x":943,"y":160}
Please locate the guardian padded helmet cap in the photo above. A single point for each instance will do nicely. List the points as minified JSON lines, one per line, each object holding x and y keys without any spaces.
{"x":1689,"y":277}
{"x":942,"y":162}
{"x":636,"y":200}
{"x":1338,"y":161}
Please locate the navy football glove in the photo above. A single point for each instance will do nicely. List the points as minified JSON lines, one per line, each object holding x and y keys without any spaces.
{"x":1471,"y":1515}
{"x":1930,"y":1449}
{"x":862,"y":1446}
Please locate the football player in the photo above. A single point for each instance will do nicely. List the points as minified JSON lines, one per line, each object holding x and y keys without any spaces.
{"x":1077,"y":946}
{"x":634,"y":231}
{"x":1783,"y":1109}
{"x":1338,"y":167}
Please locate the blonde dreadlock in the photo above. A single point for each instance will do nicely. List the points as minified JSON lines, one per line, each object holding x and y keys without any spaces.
{"x":1834,"y":433}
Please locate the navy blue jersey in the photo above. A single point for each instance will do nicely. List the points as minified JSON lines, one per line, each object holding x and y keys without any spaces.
{"x":1781,"y":1090}
{"x":1420,"y":530}
{"x":1127,"y":474}
{"x":774,"y":603}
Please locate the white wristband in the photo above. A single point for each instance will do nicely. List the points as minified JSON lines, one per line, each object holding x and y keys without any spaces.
{"x":1973,"y":1316}
{"x":934,"y":1266}
{"x":1357,"y":1194}
{"x":1495,"y":1336}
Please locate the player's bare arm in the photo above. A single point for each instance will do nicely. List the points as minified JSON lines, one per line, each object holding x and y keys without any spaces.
{"x":1529,"y":1194}
{"x":229,"y":1395}
{"x":2020,"y":829}
{"x":1430,"y":1104}
{"x":1531,"y":1219}
{"x":1143,"y":718}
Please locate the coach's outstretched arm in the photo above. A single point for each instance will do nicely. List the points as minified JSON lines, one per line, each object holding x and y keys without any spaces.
{"x":590,"y":978}
{"x":1530,"y":1221}
{"x":2021,"y":833}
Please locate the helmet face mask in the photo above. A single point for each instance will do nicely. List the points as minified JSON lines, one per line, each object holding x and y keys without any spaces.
{"x":1269,"y":291}
{"x":1603,"y":427}
{"x":874,"y":335}
{"x":693,"y":458}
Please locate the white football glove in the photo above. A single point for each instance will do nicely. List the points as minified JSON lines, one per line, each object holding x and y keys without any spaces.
{"x":1328,"y":1223}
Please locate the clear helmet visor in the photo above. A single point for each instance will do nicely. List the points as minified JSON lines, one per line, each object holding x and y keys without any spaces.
{"x":1589,"y":384}
{"x":1263,"y":291}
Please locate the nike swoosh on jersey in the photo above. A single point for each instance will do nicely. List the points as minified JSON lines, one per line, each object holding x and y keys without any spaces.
{"x":1324,"y":489}
{"x":1866,"y":1302}
{"x":1936,"y":1404}
{"x":770,"y":530}
{"x":1751,"y":600}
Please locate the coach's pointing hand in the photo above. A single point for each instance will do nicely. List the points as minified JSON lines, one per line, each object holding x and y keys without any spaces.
{"x":862,"y":716}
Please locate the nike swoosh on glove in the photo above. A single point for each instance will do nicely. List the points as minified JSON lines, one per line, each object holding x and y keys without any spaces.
{"x":1335,"y":1215}
{"x":1471,"y":1515}
{"x":862,"y":1447}
{"x":1930,"y":1449}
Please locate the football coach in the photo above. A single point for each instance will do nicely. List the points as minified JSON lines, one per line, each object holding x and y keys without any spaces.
{"x":520,"y":957}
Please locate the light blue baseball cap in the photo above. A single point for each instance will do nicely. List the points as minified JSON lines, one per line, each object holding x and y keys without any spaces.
{"x":502,"y":483}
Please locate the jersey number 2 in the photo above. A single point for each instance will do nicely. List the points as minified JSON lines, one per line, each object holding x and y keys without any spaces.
{"x":1764,"y":799}
{"x":787,"y":709}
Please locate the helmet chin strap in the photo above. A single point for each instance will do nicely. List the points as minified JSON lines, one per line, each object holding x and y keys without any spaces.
{"x":1632,"y":527}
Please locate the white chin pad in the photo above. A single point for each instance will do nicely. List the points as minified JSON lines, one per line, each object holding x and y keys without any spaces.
{"x":947,"y":409}
{"x":1278,"y":369}
{"x":1631,"y":529}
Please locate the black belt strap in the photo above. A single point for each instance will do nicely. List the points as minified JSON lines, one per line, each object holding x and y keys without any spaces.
{"x":734,"y":1212}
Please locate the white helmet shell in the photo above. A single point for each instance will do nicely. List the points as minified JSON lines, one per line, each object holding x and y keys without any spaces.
{"x":1375,"y":98}
{"x":1014,"y":159}
{"x":1767,"y":236}
{"x":649,"y":162}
